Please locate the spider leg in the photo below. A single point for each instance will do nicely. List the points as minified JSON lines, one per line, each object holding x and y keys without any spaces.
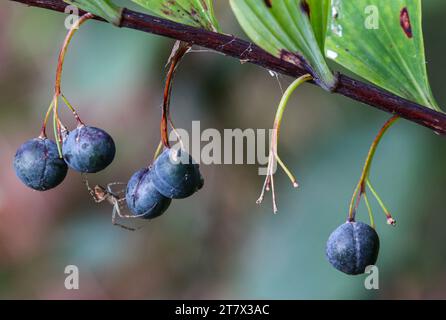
{"x":116,"y":183}
{"x":115,"y":223}
{"x":125,"y":216}
{"x":87,"y":184}
{"x":136,"y":216}
{"x":128,"y":216}
{"x":112,"y":184}
{"x":90,"y":190}
{"x":119,"y":192}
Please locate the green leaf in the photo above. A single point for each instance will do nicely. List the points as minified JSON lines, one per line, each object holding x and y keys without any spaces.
{"x":283,"y":28}
{"x":196,"y":13}
{"x":101,"y":8}
{"x":381,"y":41}
{"x":319,"y":10}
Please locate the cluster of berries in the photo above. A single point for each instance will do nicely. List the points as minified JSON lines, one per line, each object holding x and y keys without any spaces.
{"x":86,"y":149}
{"x":42,"y":164}
{"x":173,"y":175}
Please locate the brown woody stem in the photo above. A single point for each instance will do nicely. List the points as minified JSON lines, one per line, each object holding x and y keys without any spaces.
{"x":249,"y":52}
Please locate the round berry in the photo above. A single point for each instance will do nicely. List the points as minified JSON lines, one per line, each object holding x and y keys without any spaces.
{"x":352,"y":247}
{"x":38,"y":165}
{"x":142,"y":197}
{"x":88,"y":149}
{"x":176,"y":175}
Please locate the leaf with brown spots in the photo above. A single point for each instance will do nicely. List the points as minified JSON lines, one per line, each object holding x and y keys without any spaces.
{"x":283,"y":28}
{"x":382,"y":42}
{"x":405,"y":22}
{"x":196,"y":13}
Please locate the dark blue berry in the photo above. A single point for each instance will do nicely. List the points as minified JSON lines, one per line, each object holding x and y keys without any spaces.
{"x":176,"y":175}
{"x":88,"y":149}
{"x":142,"y":197}
{"x":38,"y":165}
{"x":352,"y":247}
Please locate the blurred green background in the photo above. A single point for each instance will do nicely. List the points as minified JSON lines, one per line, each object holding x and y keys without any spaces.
{"x":218,"y":243}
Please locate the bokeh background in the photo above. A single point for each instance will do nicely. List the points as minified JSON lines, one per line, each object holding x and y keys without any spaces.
{"x":218,"y":243}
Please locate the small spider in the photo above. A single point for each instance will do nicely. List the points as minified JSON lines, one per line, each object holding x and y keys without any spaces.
{"x":115,"y":197}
